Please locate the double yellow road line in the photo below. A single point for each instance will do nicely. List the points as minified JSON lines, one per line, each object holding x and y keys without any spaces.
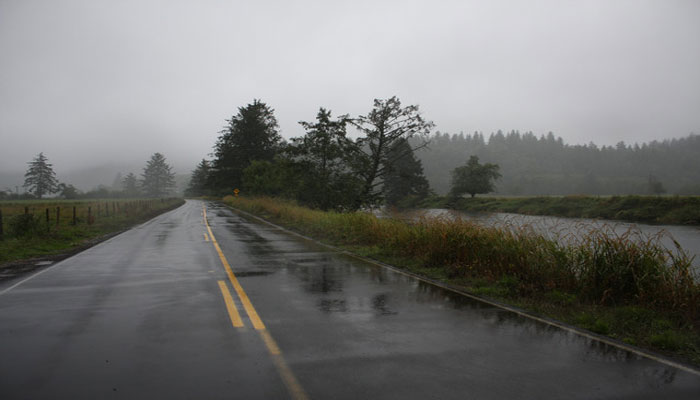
{"x":290,"y":381}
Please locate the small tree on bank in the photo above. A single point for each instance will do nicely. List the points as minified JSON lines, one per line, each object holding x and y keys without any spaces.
{"x":157,"y":178}
{"x":474,"y":178}
{"x":40,"y":178}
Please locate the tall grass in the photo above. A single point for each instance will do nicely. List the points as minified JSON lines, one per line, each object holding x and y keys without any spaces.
{"x":603,"y":268}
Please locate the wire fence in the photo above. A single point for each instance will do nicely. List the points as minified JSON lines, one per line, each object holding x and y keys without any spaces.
{"x":18,"y":219}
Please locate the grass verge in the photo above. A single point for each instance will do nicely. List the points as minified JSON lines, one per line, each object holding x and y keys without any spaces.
{"x":33,"y":235}
{"x":634,"y":292}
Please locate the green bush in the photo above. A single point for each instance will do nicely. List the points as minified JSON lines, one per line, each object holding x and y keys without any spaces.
{"x":24,"y":225}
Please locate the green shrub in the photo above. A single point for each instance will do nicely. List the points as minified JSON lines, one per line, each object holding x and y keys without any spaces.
{"x":24,"y":225}
{"x":667,"y":340}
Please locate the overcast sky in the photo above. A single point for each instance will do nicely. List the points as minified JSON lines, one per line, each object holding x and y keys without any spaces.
{"x":93,"y":82}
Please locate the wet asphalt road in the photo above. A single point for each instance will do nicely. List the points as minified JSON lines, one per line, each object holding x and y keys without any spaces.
{"x":143,"y":315}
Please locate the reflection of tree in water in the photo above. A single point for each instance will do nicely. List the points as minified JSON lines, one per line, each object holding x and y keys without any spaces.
{"x":380,"y":305}
{"x":320,"y":280}
{"x":332,"y":305}
{"x":378,"y":274}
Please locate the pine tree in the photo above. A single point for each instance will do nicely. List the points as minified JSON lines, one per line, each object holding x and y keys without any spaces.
{"x":404,"y":176}
{"x":157,"y":178}
{"x":199,"y":180}
{"x":40,"y":178}
{"x":250,"y":135}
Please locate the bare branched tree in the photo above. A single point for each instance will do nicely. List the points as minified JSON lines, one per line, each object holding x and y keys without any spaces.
{"x":385,"y":125}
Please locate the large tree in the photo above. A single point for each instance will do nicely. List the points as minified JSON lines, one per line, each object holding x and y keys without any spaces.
{"x":158,"y":180}
{"x":324,"y":152}
{"x":40,"y":178}
{"x":386,"y":124}
{"x":250,"y":135}
{"x":198,"y":185}
{"x":404,"y":177}
{"x":474,"y":178}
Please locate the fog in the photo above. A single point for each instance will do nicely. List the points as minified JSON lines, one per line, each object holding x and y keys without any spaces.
{"x":106,"y":83}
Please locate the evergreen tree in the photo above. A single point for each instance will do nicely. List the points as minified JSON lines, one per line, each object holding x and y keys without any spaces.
{"x":474,"y":178}
{"x":250,"y":135}
{"x":198,"y":185}
{"x":130,"y":185}
{"x":157,"y":178}
{"x":404,"y":176}
{"x":324,"y":152}
{"x":40,"y":178}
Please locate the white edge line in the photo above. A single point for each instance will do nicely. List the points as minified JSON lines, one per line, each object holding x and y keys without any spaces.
{"x":522,"y":313}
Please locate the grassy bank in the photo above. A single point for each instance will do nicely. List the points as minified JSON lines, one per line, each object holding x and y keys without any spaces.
{"x":36,"y":228}
{"x":680,"y":210}
{"x":637,"y":293}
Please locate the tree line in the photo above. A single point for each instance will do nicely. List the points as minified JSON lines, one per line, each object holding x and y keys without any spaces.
{"x":156,"y":181}
{"x":545,"y":165}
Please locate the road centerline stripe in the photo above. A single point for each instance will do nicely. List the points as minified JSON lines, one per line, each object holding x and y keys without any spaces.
{"x":236,"y":320}
{"x":290,"y":381}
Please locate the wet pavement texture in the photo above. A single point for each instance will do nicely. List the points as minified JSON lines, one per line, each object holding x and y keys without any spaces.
{"x":142,"y":316}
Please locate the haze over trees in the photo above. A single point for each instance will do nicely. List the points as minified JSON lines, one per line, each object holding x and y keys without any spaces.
{"x":158,"y":180}
{"x":40,"y":178}
{"x":545,"y":165}
{"x":130,"y":185}
{"x":198,"y":182}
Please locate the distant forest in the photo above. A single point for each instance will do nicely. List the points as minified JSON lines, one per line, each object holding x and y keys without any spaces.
{"x":545,"y":165}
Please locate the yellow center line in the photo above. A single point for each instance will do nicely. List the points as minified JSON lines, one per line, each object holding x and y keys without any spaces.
{"x":206,"y":238}
{"x":236,"y":320}
{"x":283,"y":369}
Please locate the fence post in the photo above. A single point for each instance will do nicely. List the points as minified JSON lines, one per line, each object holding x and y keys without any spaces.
{"x":48,"y":226}
{"x":58,"y":215}
{"x":89,"y":215}
{"x":74,"y":219}
{"x":1,"y":231}
{"x":26,"y":210}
